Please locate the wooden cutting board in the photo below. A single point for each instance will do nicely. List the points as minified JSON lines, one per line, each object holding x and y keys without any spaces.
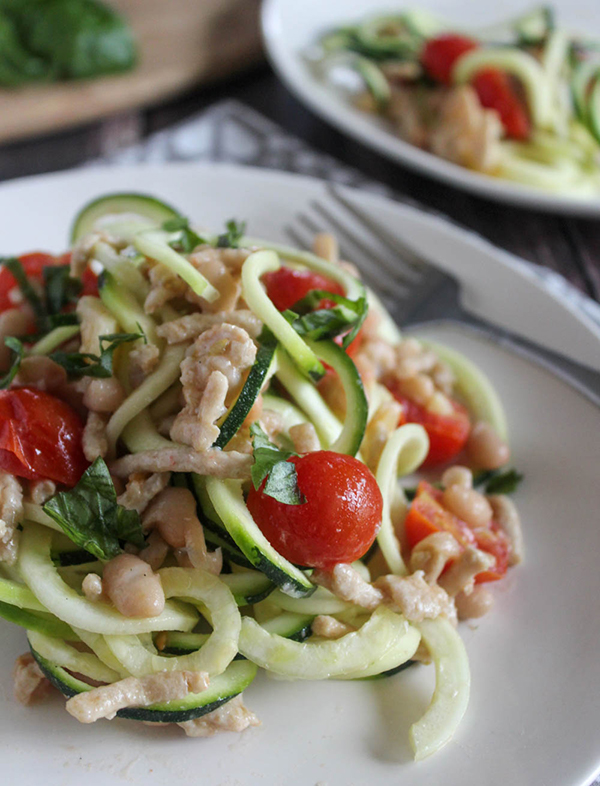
{"x":181,"y":43}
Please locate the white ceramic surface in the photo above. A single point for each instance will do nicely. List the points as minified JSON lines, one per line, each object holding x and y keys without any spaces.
{"x":535,"y":706}
{"x":290,"y":26}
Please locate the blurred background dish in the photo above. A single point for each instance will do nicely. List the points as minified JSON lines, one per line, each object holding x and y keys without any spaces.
{"x":179,"y":43}
{"x":289,"y":35}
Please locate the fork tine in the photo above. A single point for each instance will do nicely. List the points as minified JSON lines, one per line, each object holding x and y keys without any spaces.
{"x":407,"y":275}
{"x":388,"y":239}
{"x":371,"y":274}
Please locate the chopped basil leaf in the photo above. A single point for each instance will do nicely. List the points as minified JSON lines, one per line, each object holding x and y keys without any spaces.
{"x":87,"y":364}
{"x":271,"y":462}
{"x":91,"y":517}
{"x":315,"y":323}
{"x":27,"y":290}
{"x":499,"y":482}
{"x":19,"y":352}
{"x":60,"y":288}
{"x":188,"y":240}
{"x":233,"y":234}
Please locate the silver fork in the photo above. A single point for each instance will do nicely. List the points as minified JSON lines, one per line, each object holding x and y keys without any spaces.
{"x":413,"y":289}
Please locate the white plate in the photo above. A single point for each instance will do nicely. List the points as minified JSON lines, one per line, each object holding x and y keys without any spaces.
{"x":290,"y":26}
{"x":535,"y":709}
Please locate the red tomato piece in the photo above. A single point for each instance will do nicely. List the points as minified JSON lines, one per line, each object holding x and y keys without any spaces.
{"x":441,"y":53}
{"x":495,"y":542}
{"x":33,"y":266}
{"x":427,"y":515}
{"x":287,"y":286}
{"x":337,"y":523}
{"x":496,"y":91}
{"x":447,"y":434}
{"x":40,"y":437}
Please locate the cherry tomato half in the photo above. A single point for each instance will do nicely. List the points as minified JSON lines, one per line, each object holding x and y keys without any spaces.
{"x":287,"y":286}
{"x":441,"y":53}
{"x":40,"y":437}
{"x":337,"y":523}
{"x":495,"y":91}
{"x":427,"y":515}
{"x":447,"y":434}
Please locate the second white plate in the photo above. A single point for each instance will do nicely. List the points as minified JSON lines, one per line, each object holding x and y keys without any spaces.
{"x":289,"y":27}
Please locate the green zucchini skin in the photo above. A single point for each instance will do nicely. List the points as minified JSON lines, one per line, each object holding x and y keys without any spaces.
{"x":141,"y":204}
{"x":221,"y":690}
{"x":249,"y":393}
{"x":38,"y":621}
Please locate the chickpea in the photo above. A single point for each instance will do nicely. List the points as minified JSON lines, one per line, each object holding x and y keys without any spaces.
{"x":469,"y":505}
{"x":485,"y":448}
{"x":132,"y":586}
{"x":409,"y":348}
{"x":419,"y":388}
{"x":457,"y":476}
{"x":478,"y":603}
{"x":104,"y":395}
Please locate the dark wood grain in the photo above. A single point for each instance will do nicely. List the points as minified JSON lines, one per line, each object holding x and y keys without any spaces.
{"x":569,"y":246}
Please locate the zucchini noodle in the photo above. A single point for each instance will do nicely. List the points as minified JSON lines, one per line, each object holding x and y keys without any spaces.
{"x":255,"y":266}
{"x":69,"y":658}
{"x":54,"y":339}
{"x":403,"y":453}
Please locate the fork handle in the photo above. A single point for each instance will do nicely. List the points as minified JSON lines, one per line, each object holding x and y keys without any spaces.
{"x":584,"y":378}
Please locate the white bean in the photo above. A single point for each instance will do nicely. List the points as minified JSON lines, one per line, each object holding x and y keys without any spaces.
{"x":485,"y":448}
{"x":133,"y":587}
{"x":469,"y":505}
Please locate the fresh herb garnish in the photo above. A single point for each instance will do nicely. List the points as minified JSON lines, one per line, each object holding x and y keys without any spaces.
{"x":498,"y":481}
{"x":345,"y":317}
{"x":87,"y":364}
{"x":18,"y":354}
{"x":272,"y":463}
{"x":233,"y":234}
{"x":91,"y":517}
{"x":187,"y":239}
{"x":60,"y":288}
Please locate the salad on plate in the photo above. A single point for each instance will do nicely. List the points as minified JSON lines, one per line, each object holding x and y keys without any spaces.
{"x":519,"y":100}
{"x":217,"y":455}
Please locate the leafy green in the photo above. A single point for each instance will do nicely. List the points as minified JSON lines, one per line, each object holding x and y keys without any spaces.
{"x":345,"y":317}
{"x":271,"y":462}
{"x":188,"y":240}
{"x":19,"y":352}
{"x":498,"y":481}
{"x":60,"y":288}
{"x":87,"y":364}
{"x":90,"y":515}
{"x":233,"y":234}
{"x":27,"y":290}
{"x":63,"y":39}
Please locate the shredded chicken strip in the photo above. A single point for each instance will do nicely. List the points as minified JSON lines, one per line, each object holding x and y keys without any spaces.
{"x":142,"y":362}
{"x":209,"y":261}
{"x":219,"y":463}
{"x":432,"y":553}
{"x":107,"y":700}
{"x":305,"y":438}
{"x":330,"y":628}
{"x":94,"y":442}
{"x":40,"y":491}
{"x":346,"y":583}
{"x":11,"y":513}
{"x":231,"y":716}
{"x":192,"y":325}
{"x":141,"y":490}
{"x":30,"y":684}
{"x":413,"y":597}
{"x":460,"y":576}
{"x":197,"y":427}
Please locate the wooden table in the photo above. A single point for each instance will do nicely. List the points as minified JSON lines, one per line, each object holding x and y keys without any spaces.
{"x":569,"y":246}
